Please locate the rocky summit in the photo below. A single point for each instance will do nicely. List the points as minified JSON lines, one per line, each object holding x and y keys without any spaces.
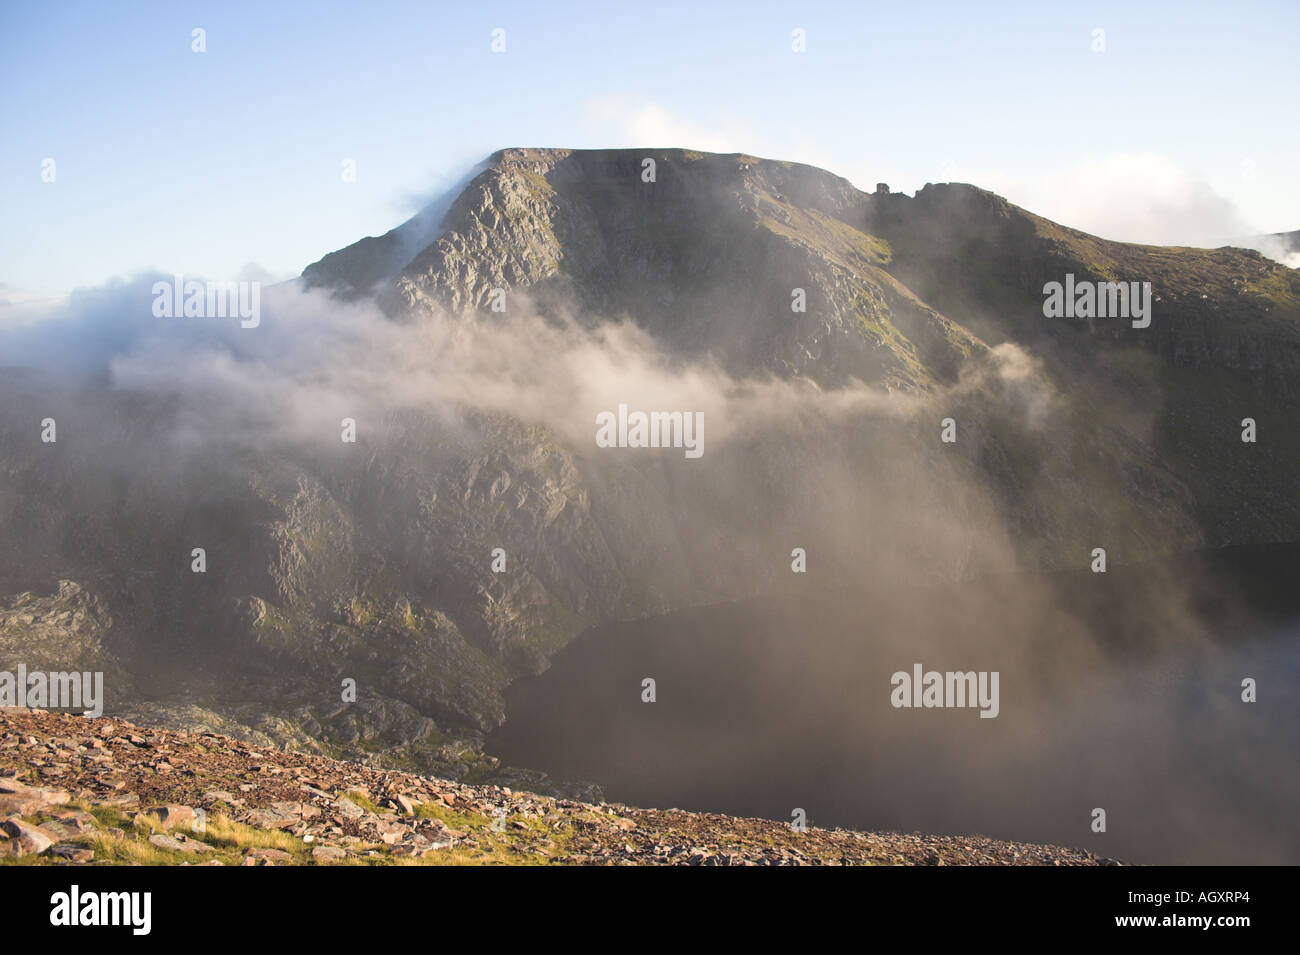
{"x":104,"y":792}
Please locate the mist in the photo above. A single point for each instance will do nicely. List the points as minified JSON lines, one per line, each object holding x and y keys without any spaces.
{"x":946,"y":565}
{"x":772,"y":705}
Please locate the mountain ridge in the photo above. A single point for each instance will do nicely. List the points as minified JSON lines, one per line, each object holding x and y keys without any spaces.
{"x":511,"y":210}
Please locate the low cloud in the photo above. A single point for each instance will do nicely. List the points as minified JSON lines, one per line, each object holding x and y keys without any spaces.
{"x":1139,"y":197}
{"x":314,"y":359}
{"x":620,"y":121}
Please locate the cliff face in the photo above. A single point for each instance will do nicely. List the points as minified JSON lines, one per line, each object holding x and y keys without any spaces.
{"x":706,"y":257}
{"x":376,"y":566}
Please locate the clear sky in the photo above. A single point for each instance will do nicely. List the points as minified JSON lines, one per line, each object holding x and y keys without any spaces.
{"x":1183,"y":129}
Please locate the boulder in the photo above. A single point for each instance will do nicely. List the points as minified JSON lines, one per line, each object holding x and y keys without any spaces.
{"x":73,"y":853}
{"x":169,"y":817}
{"x":178,"y":845}
{"x":328,"y":854}
{"x":16,"y":797}
{"x":28,"y":839}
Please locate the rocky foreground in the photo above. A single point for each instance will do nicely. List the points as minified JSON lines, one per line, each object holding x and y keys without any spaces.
{"x":105,"y":791}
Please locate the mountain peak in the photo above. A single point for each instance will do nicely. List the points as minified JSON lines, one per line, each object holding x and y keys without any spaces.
{"x":770,"y":266}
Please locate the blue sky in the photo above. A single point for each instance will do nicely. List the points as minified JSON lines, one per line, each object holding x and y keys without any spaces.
{"x":1185,"y":129}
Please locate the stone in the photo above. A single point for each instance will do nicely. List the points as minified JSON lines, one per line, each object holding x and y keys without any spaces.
{"x":28,"y":839}
{"x":76,"y":819}
{"x":348,"y":809}
{"x":71,"y":823}
{"x":16,"y":797}
{"x":269,"y":854}
{"x":73,"y":853}
{"x":419,"y":849}
{"x":270,"y":819}
{"x":328,"y":854}
{"x":169,"y":817}
{"x":178,"y":845}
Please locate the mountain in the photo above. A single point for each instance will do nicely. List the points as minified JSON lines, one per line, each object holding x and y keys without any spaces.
{"x":904,"y":292}
{"x":373,"y":562}
{"x":1290,"y":241}
{"x":706,"y":256}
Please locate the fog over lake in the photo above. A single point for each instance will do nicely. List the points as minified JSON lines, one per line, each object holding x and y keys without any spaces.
{"x":1107,"y":700}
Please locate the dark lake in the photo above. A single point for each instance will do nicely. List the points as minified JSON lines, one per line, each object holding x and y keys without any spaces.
{"x":1120,"y":691}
